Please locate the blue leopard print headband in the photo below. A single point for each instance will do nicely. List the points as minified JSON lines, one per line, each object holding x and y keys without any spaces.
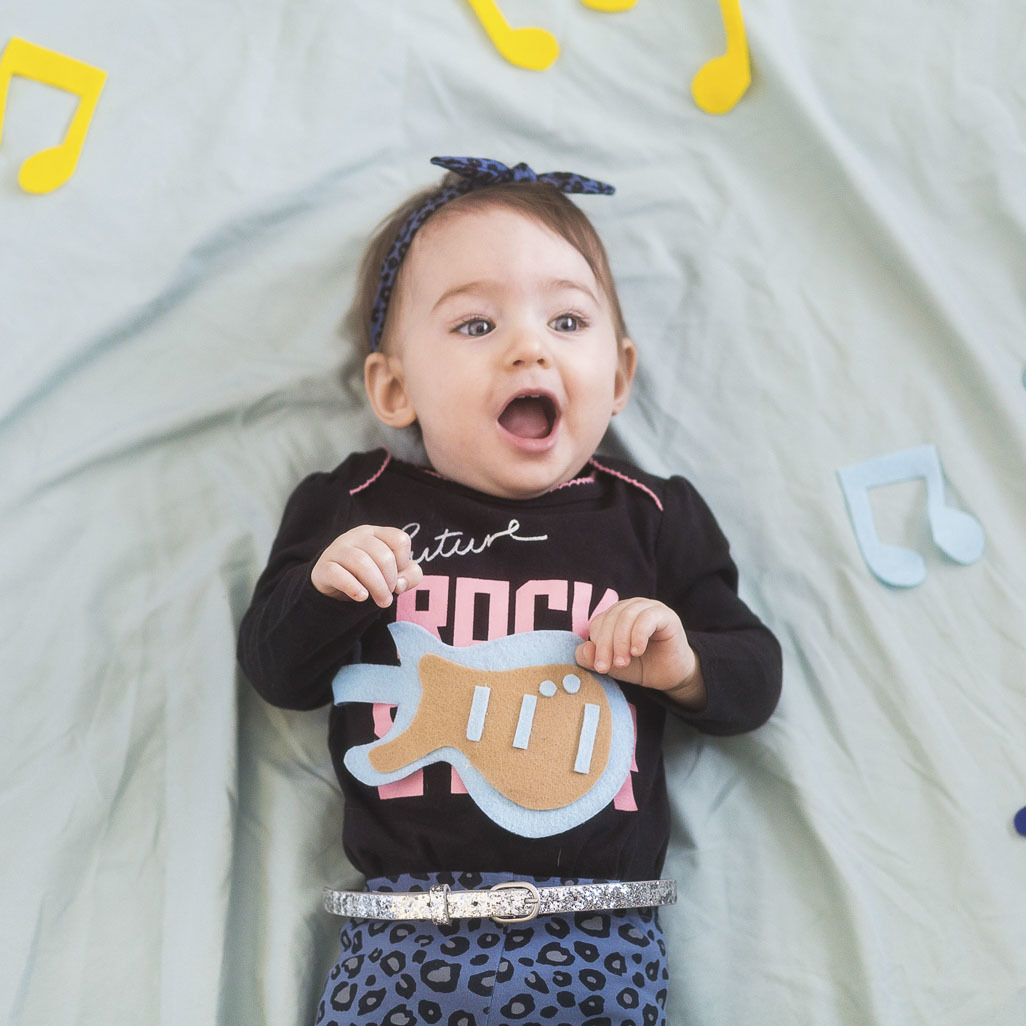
{"x":476,"y":173}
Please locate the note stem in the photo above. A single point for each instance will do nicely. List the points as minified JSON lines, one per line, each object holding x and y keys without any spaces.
{"x":734,"y":26}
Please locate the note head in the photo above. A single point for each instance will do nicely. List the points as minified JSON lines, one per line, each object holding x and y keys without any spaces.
{"x":720,"y":83}
{"x":897,"y":566}
{"x":47,"y":170}
{"x":1020,"y":822}
{"x":533,"y":49}
{"x":958,"y":535}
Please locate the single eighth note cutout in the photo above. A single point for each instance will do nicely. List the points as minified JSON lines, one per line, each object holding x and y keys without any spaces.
{"x":721,"y":82}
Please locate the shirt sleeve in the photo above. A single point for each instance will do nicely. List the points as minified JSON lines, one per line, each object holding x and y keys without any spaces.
{"x":293,"y":639}
{"x":739,"y":656}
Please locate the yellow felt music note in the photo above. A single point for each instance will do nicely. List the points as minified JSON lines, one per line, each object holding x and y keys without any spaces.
{"x":610,"y":5}
{"x":721,"y":82}
{"x":51,"y":168}
{"x":527,"y":47}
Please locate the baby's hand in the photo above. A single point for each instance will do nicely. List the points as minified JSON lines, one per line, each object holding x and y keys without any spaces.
{"x":367,"y":561}
{"x":641,"y":641}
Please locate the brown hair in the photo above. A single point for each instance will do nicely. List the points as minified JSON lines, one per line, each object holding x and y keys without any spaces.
{"x":537,"y":200}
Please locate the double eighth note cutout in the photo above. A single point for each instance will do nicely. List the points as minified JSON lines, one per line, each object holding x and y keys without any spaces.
{"x":717,"y":87}
{"x":51,"y":168}
{"x":956,"y":533}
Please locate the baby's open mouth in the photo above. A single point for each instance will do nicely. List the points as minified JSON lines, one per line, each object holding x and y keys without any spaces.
{"x":529,"y":416}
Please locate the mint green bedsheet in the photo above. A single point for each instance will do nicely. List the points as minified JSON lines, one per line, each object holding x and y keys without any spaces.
{"x":830,"y":272}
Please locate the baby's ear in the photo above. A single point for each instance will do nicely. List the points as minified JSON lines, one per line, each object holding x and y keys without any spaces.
{"x":624,"y":374}
{"x":386,"y":390}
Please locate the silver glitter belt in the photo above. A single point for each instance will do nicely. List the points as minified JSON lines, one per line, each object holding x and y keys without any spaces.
{"x":515,"y":902}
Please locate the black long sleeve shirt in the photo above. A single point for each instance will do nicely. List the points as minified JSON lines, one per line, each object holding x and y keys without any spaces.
{"x":495,"y":567}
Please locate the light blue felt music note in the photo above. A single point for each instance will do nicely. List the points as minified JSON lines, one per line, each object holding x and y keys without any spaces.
{"x":956,"y":533}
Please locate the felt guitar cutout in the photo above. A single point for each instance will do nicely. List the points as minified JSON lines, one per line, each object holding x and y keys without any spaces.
{"x":540,"y":743}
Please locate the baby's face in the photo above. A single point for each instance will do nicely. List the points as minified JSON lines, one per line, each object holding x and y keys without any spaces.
{"x":507,"y":350}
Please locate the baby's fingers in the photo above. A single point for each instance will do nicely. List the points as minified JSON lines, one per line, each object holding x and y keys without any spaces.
{"x":408,"y":574}
{"x":610,"y":635}
{"x":365,"y":562}
{"x":333,"y":579}
{"x":373,"y":565}
{"x":650,"y":619}
{"x":398,"y":543}
{"x":409,"y":577}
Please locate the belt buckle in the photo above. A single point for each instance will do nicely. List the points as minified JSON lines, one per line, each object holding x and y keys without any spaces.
{"x":533,"y":895}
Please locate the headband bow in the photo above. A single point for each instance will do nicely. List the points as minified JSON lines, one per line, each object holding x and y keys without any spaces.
{"x":476,"y":173}
{"x":480,"y":171}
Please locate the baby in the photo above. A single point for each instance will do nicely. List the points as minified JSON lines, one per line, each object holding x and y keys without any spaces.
{"x":492,"y":323}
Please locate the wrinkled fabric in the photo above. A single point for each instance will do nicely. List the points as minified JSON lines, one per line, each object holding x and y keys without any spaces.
{"x":829,"y":272}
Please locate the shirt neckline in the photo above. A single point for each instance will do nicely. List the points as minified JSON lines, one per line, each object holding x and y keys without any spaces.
{"x":582,"y":485}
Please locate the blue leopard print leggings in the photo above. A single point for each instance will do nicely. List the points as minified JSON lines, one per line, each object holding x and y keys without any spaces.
{"x":579,"y":969}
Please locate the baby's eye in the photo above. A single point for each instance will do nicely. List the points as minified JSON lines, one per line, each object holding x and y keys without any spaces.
{"x":476,"y":327}
{"x":567,"y":322}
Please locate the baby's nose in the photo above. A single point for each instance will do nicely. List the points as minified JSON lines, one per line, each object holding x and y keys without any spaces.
{"x":527,"y":348}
